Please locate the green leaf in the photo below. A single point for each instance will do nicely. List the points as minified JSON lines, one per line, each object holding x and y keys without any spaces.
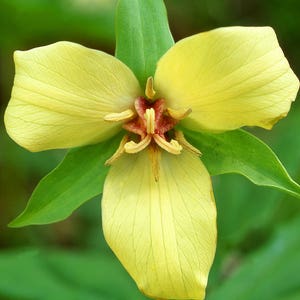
{"x":240,"y":152}
{"x":271,"y":273}
{"x":142,"y":35}
{"x":247,"y":212}
{"x":244,"y":210}
{"x":48,"y":275}
{"x":78,"y":178}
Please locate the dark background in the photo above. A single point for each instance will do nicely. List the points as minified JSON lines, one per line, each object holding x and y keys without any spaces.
{"x":259,"y":240}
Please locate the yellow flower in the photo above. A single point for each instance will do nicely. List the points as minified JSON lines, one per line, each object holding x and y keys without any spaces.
{"x":158,"y":208}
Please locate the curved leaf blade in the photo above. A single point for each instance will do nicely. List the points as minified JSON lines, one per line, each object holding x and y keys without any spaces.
{"x":240,"y":152}
{"x":56,"y":274}
{"x":142,"y":35}
{"x":78,"y":178}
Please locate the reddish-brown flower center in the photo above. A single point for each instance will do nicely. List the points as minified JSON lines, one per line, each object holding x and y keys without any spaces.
{"x":151,"y":124}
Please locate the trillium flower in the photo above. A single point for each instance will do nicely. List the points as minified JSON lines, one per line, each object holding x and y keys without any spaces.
{"x":158,"y":209}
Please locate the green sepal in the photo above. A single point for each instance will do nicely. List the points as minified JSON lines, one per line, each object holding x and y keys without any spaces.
{"x":240,"y":152}
{"x":142,"y":35}
{"x":78,"y":178}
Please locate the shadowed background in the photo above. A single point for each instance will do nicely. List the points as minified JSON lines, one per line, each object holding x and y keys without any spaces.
{"x":258,"y":253}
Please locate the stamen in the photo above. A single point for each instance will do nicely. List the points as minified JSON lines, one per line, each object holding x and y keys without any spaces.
{"x":125,"y":115}
{"x":119,"y":151}
{"x":185,"y":144}
{"x":149,"y":91}
{"x":132,"y":147}
{"x":172,"y":146}
{"x":154,"y":154}
{"x":150,"y":120}
{"x":179,"y":114}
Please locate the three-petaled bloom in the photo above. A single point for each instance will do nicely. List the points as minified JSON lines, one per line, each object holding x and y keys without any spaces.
{"x":158,"y":209}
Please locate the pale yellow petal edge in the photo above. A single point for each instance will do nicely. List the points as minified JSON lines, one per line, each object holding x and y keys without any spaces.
{"x":61,"y":94}
{"x":164,"y":232}
{"x":230,"y":77}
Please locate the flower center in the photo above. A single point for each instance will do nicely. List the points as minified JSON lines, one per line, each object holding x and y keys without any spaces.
{"x":151,"y":124}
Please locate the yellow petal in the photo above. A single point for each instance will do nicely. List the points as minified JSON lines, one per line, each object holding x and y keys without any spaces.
{"x":61,"y":94}
{"x":229,"y":77}
{"x":163,"y":232}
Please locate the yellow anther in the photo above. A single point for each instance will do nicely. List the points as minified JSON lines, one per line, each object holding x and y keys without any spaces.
{"x":132,"y":147}
{"x":155,"y":156}
{"x":172,"y":146}
{"x":179,"y":114}
{"x":125,"y":115}
{"x":149,"y":91}
{"x":119,"y":151}
{"x":150,"y":120}
{"x":185,"y":144}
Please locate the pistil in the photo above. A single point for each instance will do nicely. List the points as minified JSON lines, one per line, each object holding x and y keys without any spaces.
{"x":151,"y":125}
{"x":150,"y":120}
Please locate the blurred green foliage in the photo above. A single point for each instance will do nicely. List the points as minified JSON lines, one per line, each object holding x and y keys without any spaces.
{"x":258,"y":242}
